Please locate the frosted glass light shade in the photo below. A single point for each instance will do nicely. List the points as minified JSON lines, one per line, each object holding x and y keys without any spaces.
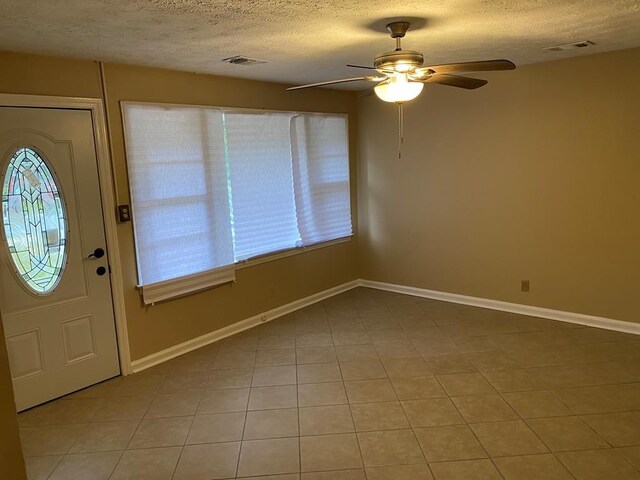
{"x":398,"y":90}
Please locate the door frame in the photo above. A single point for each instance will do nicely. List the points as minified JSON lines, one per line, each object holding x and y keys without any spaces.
{"x":107,"y":194}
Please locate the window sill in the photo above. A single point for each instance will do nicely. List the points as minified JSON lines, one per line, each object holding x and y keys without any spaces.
{"x":269,"y":257}
{"x":178,"y":287}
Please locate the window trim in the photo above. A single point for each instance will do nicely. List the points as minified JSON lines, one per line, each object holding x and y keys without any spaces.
{"x":197,"y":282}
{"x":239,"y":109}
{"x":181,"y":286}
{"x":289,"y":252}
{"x":185,"y":285}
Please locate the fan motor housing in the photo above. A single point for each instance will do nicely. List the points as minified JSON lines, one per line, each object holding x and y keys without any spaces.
{"x":399,"y":60}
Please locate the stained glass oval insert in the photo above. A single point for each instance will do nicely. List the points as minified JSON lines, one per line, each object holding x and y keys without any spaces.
{"x":34,"y":219}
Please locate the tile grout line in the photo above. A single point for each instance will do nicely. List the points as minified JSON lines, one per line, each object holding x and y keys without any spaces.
{"x":246,"y":415}
{"x":344,"y":386}
{"x":413,"y":432}
{"x":465,"y":420}
{"x":56,"y":466}
{"x":413,"y":429}
{"x":138,"y":423}
{"x":184,"y":443}
{"x":500,"y":394}
{"x":402,"y":405}
{"x":295,"y":346}
{"x":522,"y":419}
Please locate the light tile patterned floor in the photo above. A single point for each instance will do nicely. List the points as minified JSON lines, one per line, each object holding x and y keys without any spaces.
{"x":366,"y":385}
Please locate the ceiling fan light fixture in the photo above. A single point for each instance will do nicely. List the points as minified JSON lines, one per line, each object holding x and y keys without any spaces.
{"x":404,"y":67}
{"x":398,"y":90}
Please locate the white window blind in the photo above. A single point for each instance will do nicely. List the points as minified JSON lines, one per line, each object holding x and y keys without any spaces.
{"x":214,"y":186}
{"x":264,"y":209}
{"x":178,"y":181}
{"x":321,"y":177}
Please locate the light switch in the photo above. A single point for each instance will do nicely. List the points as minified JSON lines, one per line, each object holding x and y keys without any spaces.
{"x":124,"y":213}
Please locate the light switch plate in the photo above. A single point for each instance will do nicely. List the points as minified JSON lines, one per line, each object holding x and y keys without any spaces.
{"x":124,"y":213}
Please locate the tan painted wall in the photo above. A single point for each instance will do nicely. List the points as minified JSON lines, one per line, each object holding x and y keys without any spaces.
{"x":155,"y":328}
{"x":11,"y":461}
{"x":166,"y":324}
{"x":535,"y":176}
{"x":39,"y":75}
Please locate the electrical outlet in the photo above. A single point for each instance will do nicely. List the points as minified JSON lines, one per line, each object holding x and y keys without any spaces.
{"x":524,"y":285}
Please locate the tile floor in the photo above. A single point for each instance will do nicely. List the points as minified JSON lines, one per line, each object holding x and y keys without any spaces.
{"x":366,"y":385}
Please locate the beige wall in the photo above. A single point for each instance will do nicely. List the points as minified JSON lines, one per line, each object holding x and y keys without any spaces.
{"x":258,"y":288}
{"x":535,"y":176}
{"x":38,"y":75}
{"x":11,"y":461}
{"x":166,"y":324}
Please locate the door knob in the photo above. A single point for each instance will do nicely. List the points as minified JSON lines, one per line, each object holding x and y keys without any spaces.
{"x":97,"y":253}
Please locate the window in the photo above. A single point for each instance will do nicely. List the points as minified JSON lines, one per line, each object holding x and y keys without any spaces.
{"x":261,"y":179}
{"x":34,"y":221}
{"x":212,"y":187}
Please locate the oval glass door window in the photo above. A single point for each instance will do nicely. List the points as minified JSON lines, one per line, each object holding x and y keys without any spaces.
{"x":35,"y":224}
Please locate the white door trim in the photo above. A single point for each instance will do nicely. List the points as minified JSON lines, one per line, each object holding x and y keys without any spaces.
{"x":108,"y":199}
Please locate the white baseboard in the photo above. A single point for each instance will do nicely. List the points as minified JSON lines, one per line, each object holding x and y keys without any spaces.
{"x":206,"y":339}
{"x":570,"y":317}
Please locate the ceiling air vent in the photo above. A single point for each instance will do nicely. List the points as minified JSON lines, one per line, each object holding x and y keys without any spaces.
{"x":569,"y":46}
{"x":240,"y":60}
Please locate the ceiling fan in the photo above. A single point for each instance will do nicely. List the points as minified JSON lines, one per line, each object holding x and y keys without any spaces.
{"x":400,"y":74}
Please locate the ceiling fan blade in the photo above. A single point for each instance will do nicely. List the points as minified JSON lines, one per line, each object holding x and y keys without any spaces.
{"x":455,"y":81}
{"x":343,"y":80}
{"x":483,"y":66}
{"x":361,"y":66}
{"x":369,"y":91}
{"x":366,"y":93}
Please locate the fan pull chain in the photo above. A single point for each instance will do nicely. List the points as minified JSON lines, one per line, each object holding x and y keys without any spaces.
{"x":400,"y":130}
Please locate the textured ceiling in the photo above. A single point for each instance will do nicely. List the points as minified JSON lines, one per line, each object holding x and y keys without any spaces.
{"x":310,"y":40}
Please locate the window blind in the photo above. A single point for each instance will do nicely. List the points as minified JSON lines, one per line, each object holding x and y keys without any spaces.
{"x":261,"y":178}
{"x":180,"y":198}
{"x":321,"y":177}
{"x":215,"y":186}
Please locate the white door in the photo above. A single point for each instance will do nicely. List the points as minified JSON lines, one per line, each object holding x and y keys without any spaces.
{"x":54,"y":272}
